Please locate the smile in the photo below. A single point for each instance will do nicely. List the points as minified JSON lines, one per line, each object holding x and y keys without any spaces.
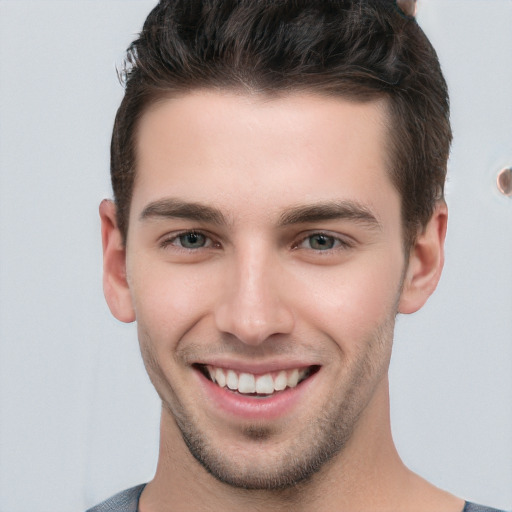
{"x":267,"y":384}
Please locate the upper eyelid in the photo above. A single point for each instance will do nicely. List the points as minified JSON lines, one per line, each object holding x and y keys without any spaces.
{"x":168,"y":238}
{"x":343,"y":239}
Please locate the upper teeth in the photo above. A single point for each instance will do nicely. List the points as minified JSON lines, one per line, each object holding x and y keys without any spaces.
{"x":262,"y":384}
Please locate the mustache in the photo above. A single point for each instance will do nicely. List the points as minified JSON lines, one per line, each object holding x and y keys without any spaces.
{"x":190,"y":352}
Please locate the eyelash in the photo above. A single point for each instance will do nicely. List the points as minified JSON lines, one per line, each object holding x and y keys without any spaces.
{"x":338,"y":243}
{"x":171,"y":239}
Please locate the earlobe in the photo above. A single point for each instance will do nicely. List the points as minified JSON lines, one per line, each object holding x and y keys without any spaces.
{"x":426,"y":262}
{"x":115,"y":284}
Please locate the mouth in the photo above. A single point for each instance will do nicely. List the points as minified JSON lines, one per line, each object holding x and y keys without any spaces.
{"x":256,"y":385}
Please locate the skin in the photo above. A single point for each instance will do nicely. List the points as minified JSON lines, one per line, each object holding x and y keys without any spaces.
{"x":271,"y":281}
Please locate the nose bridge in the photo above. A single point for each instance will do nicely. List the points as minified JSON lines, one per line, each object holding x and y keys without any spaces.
{"x":253,"y":305}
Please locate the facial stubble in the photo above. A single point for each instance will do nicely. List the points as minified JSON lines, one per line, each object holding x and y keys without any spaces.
{"x":319,"y":441}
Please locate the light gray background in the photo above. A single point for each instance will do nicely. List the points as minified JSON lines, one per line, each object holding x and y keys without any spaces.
{"x":79,"y":419}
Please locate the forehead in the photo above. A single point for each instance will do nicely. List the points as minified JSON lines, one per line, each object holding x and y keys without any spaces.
{"x":248,"y":152}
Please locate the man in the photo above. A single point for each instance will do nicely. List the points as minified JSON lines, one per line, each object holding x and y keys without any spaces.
{"x":278,"y":171}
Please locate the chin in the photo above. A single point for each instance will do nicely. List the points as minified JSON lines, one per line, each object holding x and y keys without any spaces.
{"x":260,"y":462}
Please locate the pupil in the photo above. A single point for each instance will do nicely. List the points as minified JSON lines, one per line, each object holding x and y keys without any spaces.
{"x":322,"y":242}
{"x":192,"y":240}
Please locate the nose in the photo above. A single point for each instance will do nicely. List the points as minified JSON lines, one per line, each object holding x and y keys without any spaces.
{"x":253,"y":304}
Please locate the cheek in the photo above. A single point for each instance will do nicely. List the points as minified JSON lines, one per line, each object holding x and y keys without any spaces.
{"x":168,"y":300}
{"x":352,"y":301}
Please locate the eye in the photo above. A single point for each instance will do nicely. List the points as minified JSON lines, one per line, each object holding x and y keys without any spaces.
{"x":188,"y":240}
{"x":192,"y":240}
{"x":322,"y":242}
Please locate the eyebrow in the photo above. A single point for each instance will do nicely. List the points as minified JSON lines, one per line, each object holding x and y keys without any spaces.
{"x":301,"y":214}
{"x":175,"y":208}
{"x":332,"y":210}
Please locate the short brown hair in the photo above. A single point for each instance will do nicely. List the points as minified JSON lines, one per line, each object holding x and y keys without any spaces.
{"x":357,"y":49}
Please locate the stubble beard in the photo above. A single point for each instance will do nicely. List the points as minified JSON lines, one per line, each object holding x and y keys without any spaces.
{"x":318,"y":443}
{"x":296,"y":463}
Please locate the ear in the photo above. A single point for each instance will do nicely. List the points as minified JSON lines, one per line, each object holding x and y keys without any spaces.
{"x":426,"y":260}
{"x":115,"y":284}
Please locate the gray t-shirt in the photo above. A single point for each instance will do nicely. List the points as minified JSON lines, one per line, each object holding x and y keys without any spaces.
{"x":128,"y":501}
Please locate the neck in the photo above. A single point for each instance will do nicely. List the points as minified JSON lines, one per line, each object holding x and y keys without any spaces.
{"x":367,"y":474}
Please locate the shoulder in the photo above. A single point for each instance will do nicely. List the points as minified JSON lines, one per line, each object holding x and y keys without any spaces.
{"x":125,"y":501}
{"x":473,"y":507}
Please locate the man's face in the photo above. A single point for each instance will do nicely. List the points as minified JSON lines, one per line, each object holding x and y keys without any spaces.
{"x":265,"y":247}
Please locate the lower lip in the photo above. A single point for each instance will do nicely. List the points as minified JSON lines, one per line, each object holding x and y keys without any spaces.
{"x":255,"y":408}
